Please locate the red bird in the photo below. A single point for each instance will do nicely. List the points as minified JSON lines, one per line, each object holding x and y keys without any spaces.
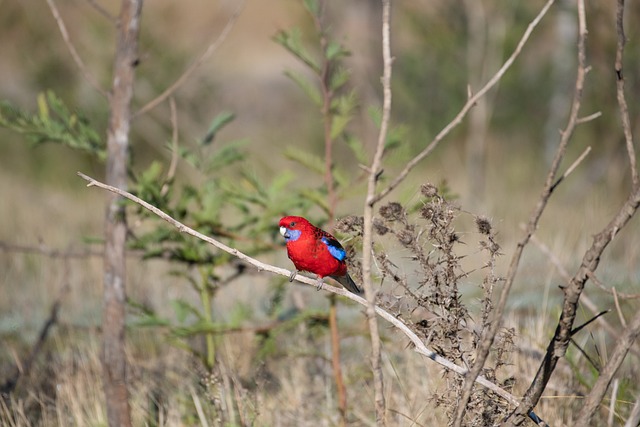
{"x":316,"y":251}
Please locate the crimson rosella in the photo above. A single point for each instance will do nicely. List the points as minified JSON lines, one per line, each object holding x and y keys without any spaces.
{"x":316,"y":251}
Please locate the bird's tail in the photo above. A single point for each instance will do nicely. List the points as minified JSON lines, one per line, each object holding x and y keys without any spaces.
{"x":348,"y":283}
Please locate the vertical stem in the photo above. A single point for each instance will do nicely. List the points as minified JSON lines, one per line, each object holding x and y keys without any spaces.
{"x":205,"y":298}
{"x":335,"y":360}
{"x":114,"y":361}
{"x":367,"y":238}
{"x":332,"y":201}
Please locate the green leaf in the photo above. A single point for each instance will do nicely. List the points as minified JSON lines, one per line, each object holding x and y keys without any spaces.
{"x":335,"y":51}
{"x":218,"y":123}
{"x":307,"y":86}
{"x":152,"y":173}
{"x":226,"y":156}
{"x":339,"y":78}
{"x":182,"y":309}
{"x":306,"y":159}
{"x":292,"y":41}
{"x":312,"y":6}
{"x":317,"y":197}
{"x":357,"y":148}
{"x":43,"y":108}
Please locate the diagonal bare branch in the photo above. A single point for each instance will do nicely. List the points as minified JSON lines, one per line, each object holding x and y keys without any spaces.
{"x":470,"y":103}
{"x":72,"y":50}
{"x":213,"y":46}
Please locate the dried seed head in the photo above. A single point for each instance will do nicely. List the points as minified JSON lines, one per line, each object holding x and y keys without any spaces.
{"x":350,"y":224}
{"x":483,"y":224}
{"x":379,"y":227}
{"x":405,"y":237}
{"x":427,"y":212}
{"x":429,"y":190}
{"x":392,"y":211}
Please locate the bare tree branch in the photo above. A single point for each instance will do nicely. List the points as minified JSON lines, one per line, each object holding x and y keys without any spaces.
{"x":465,"y":109}
{"x":622,"y":102}
{"x":72,"y":50}
{"x":213,"y":46}
{"x":419,"y":346}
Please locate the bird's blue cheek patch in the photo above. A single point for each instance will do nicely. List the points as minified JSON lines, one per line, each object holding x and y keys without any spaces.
{"x":338,"y":253}
{"x":292,"y":235}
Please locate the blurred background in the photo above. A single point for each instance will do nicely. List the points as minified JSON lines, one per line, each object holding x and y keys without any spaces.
{"x":494,"y":164}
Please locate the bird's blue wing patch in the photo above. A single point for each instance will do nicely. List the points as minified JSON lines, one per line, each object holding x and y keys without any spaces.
{"x":335,"y":248}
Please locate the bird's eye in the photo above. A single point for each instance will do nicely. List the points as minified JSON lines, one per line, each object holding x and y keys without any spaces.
{"x":293,"y":224}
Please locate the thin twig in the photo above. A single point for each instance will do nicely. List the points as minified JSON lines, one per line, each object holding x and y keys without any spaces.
{"x":174,"y":147}
{"x":622,"y":102}
{"x":367,"y":234}
{"x":572,"y":167}
{"x":589,"y":118}
{"x":602,"y":286}
{"x":213,"y":46}
{"x":419,"y":346}
{"x":102,"y":11}
{"x":616,"y":302}
{"x":72,"y":50}
{"x":469,"y":104}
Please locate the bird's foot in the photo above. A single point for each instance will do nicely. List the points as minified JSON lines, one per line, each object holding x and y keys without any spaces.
{"x":319,"y":283}
{"x":293,"y":275}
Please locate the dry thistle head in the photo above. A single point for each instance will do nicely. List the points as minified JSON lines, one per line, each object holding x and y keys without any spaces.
{"x":392,"y":211}
{"x":351,"y":224}
{"x":379,"y":227}
{"x":429,"y":190}
{"x":483,"y":224}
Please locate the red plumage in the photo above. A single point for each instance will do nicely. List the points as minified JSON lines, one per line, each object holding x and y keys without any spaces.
{"x":316,"y":251}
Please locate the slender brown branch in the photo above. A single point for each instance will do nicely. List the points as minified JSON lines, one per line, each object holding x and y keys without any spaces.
{"x":335,"y":360}
{"x":174,"y":147}
{"x":465,"y":109}
{"x":102,"y":11}
{"x":595,"y":396}
{"x":572,"y":167}
{"x":610,"y":291}
{"x":622,"y":102}
{"x":213,"y":46}
{"x":419,"y":346}
{"x":72,"y":50}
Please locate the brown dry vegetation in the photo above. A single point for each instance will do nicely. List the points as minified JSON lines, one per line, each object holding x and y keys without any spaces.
{"x":288,"y":381}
